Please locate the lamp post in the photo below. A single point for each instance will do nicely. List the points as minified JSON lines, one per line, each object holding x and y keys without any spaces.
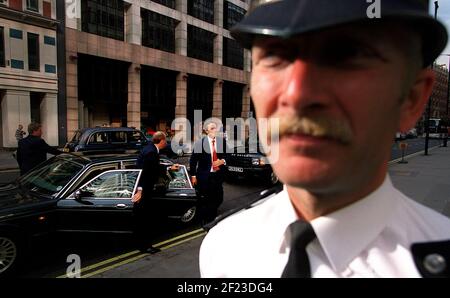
{"x":427,"y":118}
{"x":447,"y":119}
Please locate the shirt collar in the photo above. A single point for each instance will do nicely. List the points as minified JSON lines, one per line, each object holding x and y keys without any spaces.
{"x":345,"y":233}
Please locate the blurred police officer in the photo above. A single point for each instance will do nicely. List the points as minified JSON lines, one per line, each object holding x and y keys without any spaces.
{"x":341,"y":85}
{"x":33,"y":150}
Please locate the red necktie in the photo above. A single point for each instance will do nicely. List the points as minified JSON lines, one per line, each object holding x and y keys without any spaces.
{"x":214,"y":155}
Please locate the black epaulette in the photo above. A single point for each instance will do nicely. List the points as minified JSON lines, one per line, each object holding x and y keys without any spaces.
{"x":432,"y":259}
{"x":263,"y":194}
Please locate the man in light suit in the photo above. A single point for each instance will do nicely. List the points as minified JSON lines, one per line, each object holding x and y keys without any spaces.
{"x":207,"y":171}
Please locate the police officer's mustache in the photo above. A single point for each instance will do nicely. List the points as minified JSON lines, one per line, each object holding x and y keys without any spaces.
{"x":317,"y":126}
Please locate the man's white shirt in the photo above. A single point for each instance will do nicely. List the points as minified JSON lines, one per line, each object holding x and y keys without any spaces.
{"x":369,"y":238}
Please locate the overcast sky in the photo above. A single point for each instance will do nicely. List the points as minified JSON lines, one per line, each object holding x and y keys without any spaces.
{"x":443,"y":16}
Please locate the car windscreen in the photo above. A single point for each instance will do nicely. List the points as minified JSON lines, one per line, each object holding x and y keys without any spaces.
{"x":51,"y":177}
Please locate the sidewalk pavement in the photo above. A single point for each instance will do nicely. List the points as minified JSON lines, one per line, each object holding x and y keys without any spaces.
{"x":7,"y":161}
{"x":426,"y":179}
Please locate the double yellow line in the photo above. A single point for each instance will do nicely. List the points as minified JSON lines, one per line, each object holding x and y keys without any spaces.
{"x":135,"y":255}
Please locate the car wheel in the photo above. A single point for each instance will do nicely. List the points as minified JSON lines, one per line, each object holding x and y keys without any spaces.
{"x":273,"y":179}
{"x":189,"y":215}
{"x":9,"y":254}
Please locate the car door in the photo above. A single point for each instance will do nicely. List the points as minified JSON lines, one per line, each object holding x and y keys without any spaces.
{"x":101,"y":205}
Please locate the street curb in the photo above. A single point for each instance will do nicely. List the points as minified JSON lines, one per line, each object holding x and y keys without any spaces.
{"x":395,"y":161}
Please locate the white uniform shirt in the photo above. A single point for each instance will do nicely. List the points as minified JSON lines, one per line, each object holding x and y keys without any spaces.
{"x":369,"y":238}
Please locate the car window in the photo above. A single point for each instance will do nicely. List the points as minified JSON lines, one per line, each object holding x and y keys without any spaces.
{"x":95,"y":171}
{"x":51,"y":177}
{"x":118,"y":136}
{"x":179,"y":179}
{"x":112,"y":184}
{"x":98,"y":138}
{"x":135,"y":137}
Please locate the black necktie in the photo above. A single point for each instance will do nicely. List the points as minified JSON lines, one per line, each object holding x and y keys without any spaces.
{"x":302,"y":233}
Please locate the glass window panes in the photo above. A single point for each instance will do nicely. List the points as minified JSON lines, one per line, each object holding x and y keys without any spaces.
{"x":202,"y":9}
{"x":232,"y":14}
{"x":115,"y":184}
{"x":158,"y":31}
{"x":233,"y":54}
{"x":105,"y":18}
{"x":98,"y":138}
{"x":179,"y":179}
{"x":33,"y":5}
{"x":135,"y":137}
{"x":200,"y":44}
{"x":168,"y":3}
{"x":2,"y":47}
{"x":118,"y":137}
{"x":33,"y":52}
{"x":51,"y":177}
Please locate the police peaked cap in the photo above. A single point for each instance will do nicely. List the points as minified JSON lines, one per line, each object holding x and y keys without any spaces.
{"x":287,"y":18}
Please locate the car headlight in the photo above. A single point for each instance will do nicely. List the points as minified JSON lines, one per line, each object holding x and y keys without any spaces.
{"x":255,"y":161}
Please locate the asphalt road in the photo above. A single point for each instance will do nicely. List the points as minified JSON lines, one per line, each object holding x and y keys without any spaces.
{"x":49,"y":257}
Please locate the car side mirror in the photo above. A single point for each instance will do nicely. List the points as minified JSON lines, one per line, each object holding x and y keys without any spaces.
{"x":79,"y":195}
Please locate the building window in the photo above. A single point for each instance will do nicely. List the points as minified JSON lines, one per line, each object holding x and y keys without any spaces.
{"x":231,"y":100}
{"x":2,"y":47}
{"x":202,"y":9}
{"x":33,"y":5}
{"x":158,"y":31}
{"x":233,"y":54}
{"x":200,"y":44}
{"x":232,"y":14}
{"x":104,"y":18}
{"x":33,"y":52}
{"x":168,"y":3}
{"x":158,"y":96}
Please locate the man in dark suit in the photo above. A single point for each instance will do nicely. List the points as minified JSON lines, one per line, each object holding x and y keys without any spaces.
{"x":33,"y":150}
{"x":145,"y":209}
{"x":207,"y":171}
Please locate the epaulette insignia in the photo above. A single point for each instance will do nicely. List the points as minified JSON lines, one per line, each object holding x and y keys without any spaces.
{"x":432,"y":259}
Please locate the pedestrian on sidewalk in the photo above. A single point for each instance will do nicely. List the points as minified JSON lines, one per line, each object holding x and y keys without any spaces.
{"x":340,"y":83}
{"x":33,"y":150}
{"x":20,"y":133}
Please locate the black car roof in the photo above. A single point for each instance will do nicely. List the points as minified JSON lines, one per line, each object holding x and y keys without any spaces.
{"x":85,"y":158}
{"x":99,"y":129}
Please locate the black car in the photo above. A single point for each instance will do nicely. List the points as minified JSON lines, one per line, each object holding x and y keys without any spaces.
{"x":107,"y":139}
{"x":248,"y":161}
{"x":78,"y":193}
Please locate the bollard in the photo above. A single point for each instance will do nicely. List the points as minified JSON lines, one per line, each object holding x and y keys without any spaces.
{"x":403,"y":146}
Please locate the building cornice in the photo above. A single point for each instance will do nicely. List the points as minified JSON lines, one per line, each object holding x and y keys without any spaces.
{"x":28,"y":18}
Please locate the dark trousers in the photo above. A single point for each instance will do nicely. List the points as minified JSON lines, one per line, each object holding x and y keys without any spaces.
{"x":211,"y":192}
{"x":146,"y":224}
